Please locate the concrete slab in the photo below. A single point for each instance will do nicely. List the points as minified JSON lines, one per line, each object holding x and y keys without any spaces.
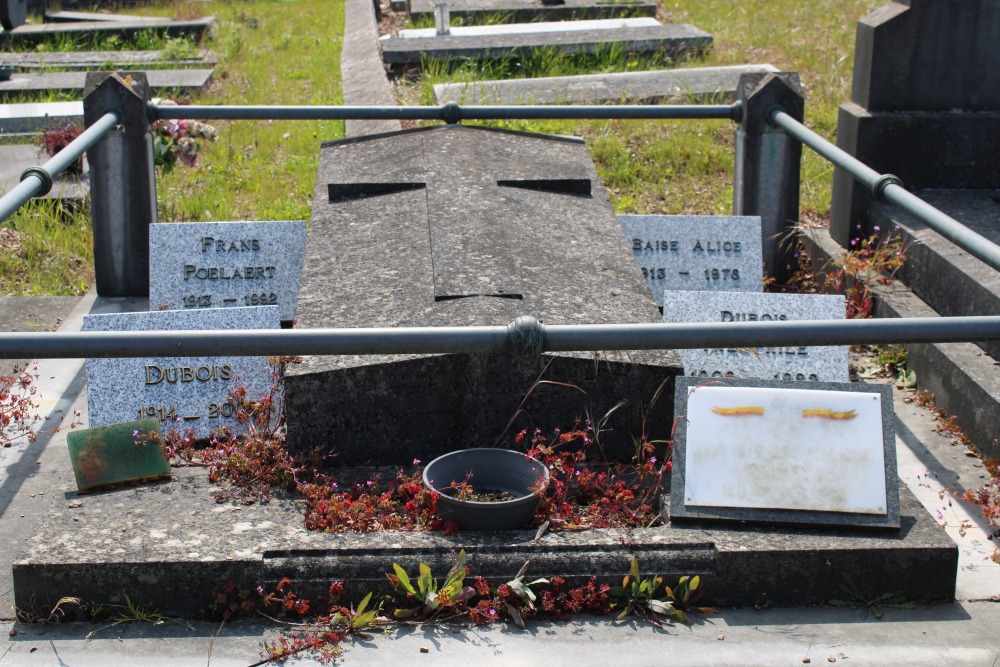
{"x":701,"y":84}
{"x":15,"y":158}
{"x":168,"y":545}
{"x":939,"y":272}
{"x":675,"y":40}
{"x":40,"y":32}
{"x":160,"y":80}
{"x":363,"y":77}
{"x":963,"y":378}
{"x":84,"y":17}
{"x":962,"y":635}
{"x":73,"y":60}
{"x":35,"y":313}
{"x":523,"y":11}
{"x":525,"y":28}
{"x":37,"y":116}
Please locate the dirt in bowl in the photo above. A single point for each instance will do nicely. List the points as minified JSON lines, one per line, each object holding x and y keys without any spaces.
{"x":481,"y":495}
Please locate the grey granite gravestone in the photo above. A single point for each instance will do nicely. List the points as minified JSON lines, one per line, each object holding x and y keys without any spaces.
{"x":458,"y":225}
{"x":674,"y":40}
{"x":226,"y":264}
{"x":708,"y":84}
{"x":696,"y":252}
{"x":825,"y":456}
{"x":160,"y":80}
{"x":925,"y":103}
{"x":184,"y":392}
{"x":531,"y":10}
{"x":823,"y":364}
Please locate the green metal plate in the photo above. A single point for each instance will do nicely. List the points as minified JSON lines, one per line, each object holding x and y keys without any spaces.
{"x":111,"y":455}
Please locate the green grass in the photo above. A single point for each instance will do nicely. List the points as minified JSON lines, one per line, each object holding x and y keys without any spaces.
{"x":55,"y":255}
{"x":269,"y":53}
{"x":687,"y":166}
{"x":289,"y":52}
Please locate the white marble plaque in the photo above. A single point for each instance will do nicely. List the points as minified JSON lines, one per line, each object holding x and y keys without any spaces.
{"x":183,"y":392}
{"x":797,"y":362}
{"x":794,"y":449}
{"x":696,"y":252}
{"x":226,"y":264}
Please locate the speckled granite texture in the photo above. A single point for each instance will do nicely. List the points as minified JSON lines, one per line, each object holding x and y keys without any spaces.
{"x":696,"y":253}
{"x":189,"y":392}
{"x":231,"y":263}
{"x":815,"y":363}
{"x":455,"y":226}
{"x":169,"y":546}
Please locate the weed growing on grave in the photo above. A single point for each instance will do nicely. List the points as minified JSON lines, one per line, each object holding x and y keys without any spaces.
{"x":249,"y":464}
{"x":461,"y":597}
{"x":856,"y":274}
{"x":650,"y":600}
{"x":58,"y":137}
{"x":876,"y":604}
{"x":124,"y":615}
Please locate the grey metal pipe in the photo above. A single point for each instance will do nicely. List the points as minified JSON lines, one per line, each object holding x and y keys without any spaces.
{"x":494,"y":339}
{"x":887,"y":188}
{"x":37,"y":181}
{"x":450,"y":112}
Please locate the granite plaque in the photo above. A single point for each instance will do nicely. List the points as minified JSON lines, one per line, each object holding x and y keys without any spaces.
{"x":798,"y":362}
{"x":226,"y":264}
{"x":182,"y":392}
{"x":781,"y":452}
{"x":696,"y":252}
{"x":114,"y":454}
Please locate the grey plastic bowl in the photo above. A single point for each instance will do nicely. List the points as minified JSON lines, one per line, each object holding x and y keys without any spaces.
{"x":499,"y":469}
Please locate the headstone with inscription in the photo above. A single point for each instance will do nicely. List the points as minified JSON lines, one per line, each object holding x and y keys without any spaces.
{"x":764,"y":451}
{"x":798,"y":362}
{"x":696,"y":252}
{"x":226,"y":264}
{"x":183,"y":392}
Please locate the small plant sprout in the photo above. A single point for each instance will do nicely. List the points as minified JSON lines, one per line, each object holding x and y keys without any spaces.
{"x":638,"y":597}
{"x":524,"y":592}
{"x":876,"y":604}
{"x":426,"y":600}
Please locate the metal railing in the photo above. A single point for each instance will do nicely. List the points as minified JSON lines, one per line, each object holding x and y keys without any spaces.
{"x":887,"y":188}
{"x":524,"y":337}
{"x":37,"y":181}
{"x":450,"y":112}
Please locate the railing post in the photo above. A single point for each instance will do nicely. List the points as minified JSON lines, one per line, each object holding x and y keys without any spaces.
{"x":767,"y":163}
{"x":122,"y":183}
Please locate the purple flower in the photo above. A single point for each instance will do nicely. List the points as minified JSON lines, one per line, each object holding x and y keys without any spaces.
{"x":416,"y":462}
{"x":876,"y":228}
{"x":652,"y":459}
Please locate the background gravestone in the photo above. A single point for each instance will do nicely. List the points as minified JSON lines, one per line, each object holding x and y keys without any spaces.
{"x":184,"y":392}
{"x":825,"y":363}
{"x":925,"y":103}
{"x":696,"y":252}
{"x":226,"y":264}
{"x":454,"y":226}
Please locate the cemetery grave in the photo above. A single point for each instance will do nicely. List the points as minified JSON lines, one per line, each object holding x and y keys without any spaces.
{"x":459,"y":225}
{"x":675,"y":41}
{"x":702,"y":84}
{"x":523,"y":11}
